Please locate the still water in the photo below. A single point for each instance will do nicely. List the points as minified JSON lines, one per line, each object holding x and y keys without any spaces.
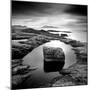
{"x":35,"y":59}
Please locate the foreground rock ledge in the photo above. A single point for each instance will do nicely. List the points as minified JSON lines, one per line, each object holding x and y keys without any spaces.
{"x":54,"y":59}
{"x":76,"y":74}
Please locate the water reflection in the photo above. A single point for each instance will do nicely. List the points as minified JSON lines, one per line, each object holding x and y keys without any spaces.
{"x":35,"y":58}
{"x":43,"y":75}
{"x":53,"y":66}
{"x":70,"y":57}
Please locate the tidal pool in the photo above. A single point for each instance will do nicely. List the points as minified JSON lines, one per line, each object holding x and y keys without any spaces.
{"x":35,"y":59}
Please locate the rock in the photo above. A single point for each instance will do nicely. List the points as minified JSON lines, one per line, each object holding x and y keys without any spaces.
{"x":75,"y":74}
{"x":65,"y":40}
{"x":38,"y":40}
{"x":16,"y":62}
{"x":54,"y":59}
{"x":22,"y":69}
{"x":81,"y":53}
{"x":64,"y":81}
{"x":19,"y":71}
{"x":64,"y":35}
{"x":17,"y":80}
{"x":24,"y":47}
{"x":71,"y":42}
{"x":75,"y":43}
{"x":19,"y":51}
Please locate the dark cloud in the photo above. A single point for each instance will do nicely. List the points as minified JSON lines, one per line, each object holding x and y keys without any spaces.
{"x":36,"y":8}
{"x":23,"y":8}
{"x":77,"y":9}
{"x":48,"y":15}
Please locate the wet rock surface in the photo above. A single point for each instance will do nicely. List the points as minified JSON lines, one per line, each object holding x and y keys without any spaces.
{"x":24,"y":47}
{"x":21,"y":72}
{"x":76,"y":74}
{"x":73,"y":43}
{"x":81,"y":53}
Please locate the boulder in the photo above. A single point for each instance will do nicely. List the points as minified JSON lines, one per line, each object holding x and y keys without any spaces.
{"x":54,"y":59}
{"x":21,"y":69}
{"x":65,"y":40}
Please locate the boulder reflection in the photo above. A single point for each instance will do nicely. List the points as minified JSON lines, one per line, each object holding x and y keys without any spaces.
{"x":53,"y":66}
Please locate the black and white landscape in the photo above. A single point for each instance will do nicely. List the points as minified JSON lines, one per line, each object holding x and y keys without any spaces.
{"x":49,"y":45}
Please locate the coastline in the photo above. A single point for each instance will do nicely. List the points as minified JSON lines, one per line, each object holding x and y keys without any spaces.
{"x":27,"y":46}
{"x":17,"y":63}
{"x":76,"y":74}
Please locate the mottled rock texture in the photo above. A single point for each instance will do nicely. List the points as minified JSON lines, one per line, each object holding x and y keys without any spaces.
{"x":77,"y":73}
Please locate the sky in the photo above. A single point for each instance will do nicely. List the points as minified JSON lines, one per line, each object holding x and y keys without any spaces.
{"x":49,"y":15}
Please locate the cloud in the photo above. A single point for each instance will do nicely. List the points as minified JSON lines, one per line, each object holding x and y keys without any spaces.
{"x":77,"y":10}
{"x":49,"y":15}
{"x":36,"y":8}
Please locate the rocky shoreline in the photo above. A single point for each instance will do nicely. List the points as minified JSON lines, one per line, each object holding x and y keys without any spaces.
{"x":76,"y":74}
{"x":21,"y":72}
